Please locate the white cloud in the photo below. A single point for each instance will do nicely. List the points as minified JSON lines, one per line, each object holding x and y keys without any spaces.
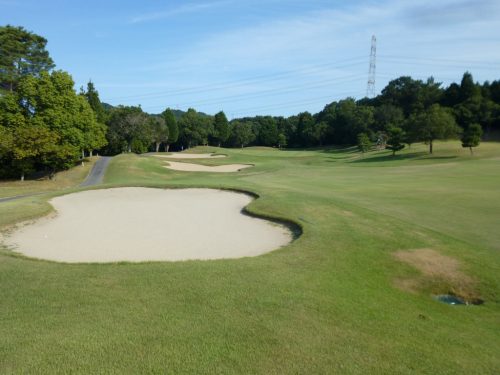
{"x":183,"y":9}
{"x":330,"y":35}
{"x":410,"y":42}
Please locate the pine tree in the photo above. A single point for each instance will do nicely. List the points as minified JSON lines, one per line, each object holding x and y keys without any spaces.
{"x":395,"y":142}
{"x":22,"y":53}
{"x":173,"y":128}
{"x":364,"y":143}
{"x":221,"y":128}
{"x":471,"y":137}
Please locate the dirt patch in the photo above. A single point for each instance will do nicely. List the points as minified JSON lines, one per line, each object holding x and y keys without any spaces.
{"x":438,"y":273}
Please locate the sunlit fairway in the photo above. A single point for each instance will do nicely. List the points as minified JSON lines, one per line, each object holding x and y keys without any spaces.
{"x":347,"y":297}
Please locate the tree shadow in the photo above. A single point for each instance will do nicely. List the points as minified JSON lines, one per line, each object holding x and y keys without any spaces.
{"x":326,"y":149}
{"x":422,"y":155}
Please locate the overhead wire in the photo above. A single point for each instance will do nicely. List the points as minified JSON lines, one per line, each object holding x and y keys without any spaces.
{"x":270,"y":92}
{"x":288,"y":104}
{"x":303,"y":71}
{"x":245,"y":81}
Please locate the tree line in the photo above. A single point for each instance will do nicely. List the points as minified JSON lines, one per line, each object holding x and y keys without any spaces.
{"x":406,"y":111}
{"x":46,"y":125}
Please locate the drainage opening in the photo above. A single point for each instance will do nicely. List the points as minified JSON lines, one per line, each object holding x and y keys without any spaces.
{"x":455,"y":300}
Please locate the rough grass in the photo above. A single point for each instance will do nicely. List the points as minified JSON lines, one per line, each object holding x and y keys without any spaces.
{"x":324,"y":304}
{"x":62,"y":180}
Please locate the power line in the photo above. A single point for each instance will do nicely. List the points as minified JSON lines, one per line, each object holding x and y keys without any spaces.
{"x":431,"y":59}
{"x":420,"y":64}
{"x":245,"y":81}
{"x":270,"y":92}
{"x":290,"y":103}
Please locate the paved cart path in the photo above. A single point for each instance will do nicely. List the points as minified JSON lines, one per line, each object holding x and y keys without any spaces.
{"x":95,"y":177}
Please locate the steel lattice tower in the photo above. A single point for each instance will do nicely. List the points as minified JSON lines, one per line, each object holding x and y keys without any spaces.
{"x":370,"y":87}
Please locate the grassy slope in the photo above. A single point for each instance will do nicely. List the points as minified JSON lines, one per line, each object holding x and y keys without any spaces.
{"x":324,"y":304}
{"x":62,"y":180}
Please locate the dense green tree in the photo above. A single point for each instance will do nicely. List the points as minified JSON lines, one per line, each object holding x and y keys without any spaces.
{"x":451,"y":95}
{"x":364,"y":143}
{"x":387,"y":116}
{"x":159,"y":131}
{"x":282,"y":142}
{"x":403,"y":92}
{"x":51,"y":101}
{"x":221,"y":128}
{"x":6,"y":141}
{"x":22,"y":53}
{"x":305,"y":124}
{"x":287,"y":128}
{"x":58,"y":157}
{"x":194,"y":129}
{"x":435,"y":123}
{"x":411,"y":95}
{"x":468,"y":89}
{"x":207,"y":128}
{"x":173,"y":128}
{"x":468,"y":111}
{"x":92,"y":96}
{"x":241,"y":133}
{"x":94,"y":132}
{"x":411,"y":128}
{"x":395,"y":140}
{"x":291,"y":131}
{"x":319,"y":133}
{"x":139,"y":146}
{"x":471,"y":137}
{"x":11,"y":113}
{"x":352,"y":120}
{"x":32,"y":143}
{"x":328,"y":116}
{"x":125,"y":125}
{"x":494,"y":91}
{"x":268,"y":131}
{"x":468,"y":108}
{"x":49,"y":124}
{"x":430,"y":93}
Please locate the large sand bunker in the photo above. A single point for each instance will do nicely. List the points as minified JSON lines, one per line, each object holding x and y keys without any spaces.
{"x":189,"y":167}
{"x":144,"y":224}
{"x":183,"y":155}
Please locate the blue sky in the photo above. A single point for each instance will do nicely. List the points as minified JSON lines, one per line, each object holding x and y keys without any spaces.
{"x":249,"y":57}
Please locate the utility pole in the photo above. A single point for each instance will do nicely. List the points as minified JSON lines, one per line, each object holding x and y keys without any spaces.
{"x":370,"y":87}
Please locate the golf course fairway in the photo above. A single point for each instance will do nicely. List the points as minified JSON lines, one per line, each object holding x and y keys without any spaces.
{"x":354,"y":294}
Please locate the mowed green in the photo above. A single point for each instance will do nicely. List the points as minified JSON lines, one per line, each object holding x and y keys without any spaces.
{"x":327,"y":303}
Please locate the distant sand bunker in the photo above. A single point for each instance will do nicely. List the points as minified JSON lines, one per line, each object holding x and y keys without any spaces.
{"x":144,"y":224}
{"x":190,"y":156}
{"x":189,"y":167}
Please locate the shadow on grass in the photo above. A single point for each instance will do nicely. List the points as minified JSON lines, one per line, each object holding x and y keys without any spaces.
{"x":401,"y":157}
{"x":325,"y":149}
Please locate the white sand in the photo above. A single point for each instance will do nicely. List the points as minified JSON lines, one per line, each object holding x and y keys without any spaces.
{"x":189,"y":167}
{"x":182,"y":155}
{"x":144,"y":224}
